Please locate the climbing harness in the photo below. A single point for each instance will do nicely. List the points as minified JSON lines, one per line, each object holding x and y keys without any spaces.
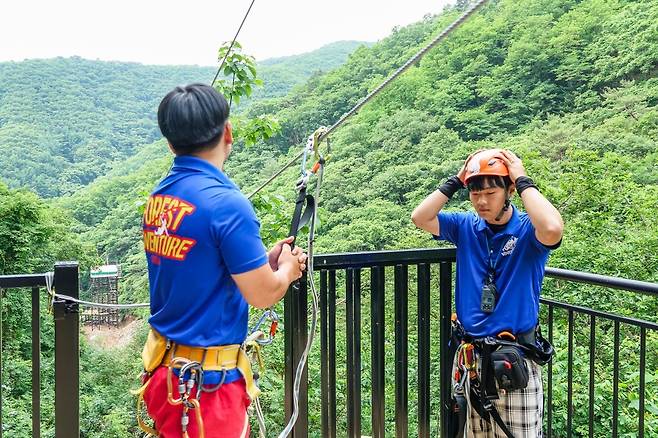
{"x":485,"y":365}
{"x":192,"y":361}
{"x":185,"y":387}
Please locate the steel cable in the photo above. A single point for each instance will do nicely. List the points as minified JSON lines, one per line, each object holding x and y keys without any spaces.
{"x":414,"y":59}
{"x":221,"y":65}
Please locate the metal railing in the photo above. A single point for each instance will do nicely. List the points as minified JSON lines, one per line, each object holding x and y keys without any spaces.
{"x":400,"y":313}
{"x":67,"y":347}
{"x":589,"y":329}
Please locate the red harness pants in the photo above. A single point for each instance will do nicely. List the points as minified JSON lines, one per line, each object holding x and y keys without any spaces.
{"x":224,"y":411}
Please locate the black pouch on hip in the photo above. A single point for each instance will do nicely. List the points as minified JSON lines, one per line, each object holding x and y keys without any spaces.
{"x":510,"y":368}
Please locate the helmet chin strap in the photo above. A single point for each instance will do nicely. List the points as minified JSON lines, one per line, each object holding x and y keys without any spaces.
{"x":504,"y":209}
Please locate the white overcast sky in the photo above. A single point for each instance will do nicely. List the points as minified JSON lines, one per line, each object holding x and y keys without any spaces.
{"x":190,"y":31}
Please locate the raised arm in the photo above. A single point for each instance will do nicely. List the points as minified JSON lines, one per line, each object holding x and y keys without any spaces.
{"x":543,"y":215}
{"x":425,"y":215}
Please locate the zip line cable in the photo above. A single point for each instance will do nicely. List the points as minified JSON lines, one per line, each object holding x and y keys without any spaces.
{"x":447,"y":31}
{"x":232,"y":43}
{"x":100,"y":305}
{"x":55,"y":296}
{"x":414,"y":59}
{"x":276,"y":174}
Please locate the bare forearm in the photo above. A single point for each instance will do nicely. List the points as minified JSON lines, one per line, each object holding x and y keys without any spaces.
{"x":284,"y":280}
{"x":425,"y":215}
{"x":263,"y":287}
{"x":543,"y":215}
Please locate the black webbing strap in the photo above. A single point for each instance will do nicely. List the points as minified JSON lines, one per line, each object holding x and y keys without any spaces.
{"x":485,"y":408}
{"x":301,"y":215}
{"x":499,"y":421}
{"x":487,"y":378}
{"x":484,"y":391}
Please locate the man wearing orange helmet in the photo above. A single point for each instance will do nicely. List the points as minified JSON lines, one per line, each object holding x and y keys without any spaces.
{"x":501,"y":256}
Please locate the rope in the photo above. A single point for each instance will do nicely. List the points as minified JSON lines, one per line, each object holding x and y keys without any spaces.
{"x":414,"y":59}
{"x":50,"y":277}
{"x":100,"y":305}
{"x":314,"y":315}
{"x":232,"y":43}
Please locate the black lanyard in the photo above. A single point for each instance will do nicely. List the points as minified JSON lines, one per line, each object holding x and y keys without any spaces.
{"x":492,"y":264}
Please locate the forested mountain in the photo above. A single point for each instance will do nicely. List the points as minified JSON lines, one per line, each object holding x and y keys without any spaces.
{"x":537,"y":77}
{"x":569,"y":85}
{"x":280,"y":75}
{"x":65,"y":121}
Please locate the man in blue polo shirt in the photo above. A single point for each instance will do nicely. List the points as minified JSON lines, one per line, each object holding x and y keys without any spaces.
{"x":206,"y":264}
{"x":501,"y":255}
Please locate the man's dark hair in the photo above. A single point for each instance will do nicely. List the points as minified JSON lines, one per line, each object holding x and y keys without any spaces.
{"x":192,"y":117}
{"x":483,"y":182}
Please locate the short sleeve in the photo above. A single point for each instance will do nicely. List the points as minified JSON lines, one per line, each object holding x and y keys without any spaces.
{"x":449,"y":224}
{"x":236,"y":231}
{"x":536,"y":244}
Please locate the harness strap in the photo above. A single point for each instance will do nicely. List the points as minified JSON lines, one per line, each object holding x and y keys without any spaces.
{"x":140,"y":402}
{"x":210,"y":358}
{"x":221,"y":358}
{"x":482,"y":386}
{"x":484,"y":407}
{"x":159,"y":351}
{"x":304,"y":211}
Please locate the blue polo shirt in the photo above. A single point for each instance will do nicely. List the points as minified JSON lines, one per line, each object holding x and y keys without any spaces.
{"x":198,"y":229}
{"x":519,"y":260}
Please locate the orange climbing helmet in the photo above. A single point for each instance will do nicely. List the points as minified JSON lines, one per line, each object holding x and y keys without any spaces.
{"x":488,"y":162}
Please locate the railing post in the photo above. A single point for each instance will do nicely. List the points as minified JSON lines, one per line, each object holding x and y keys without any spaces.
{"x":445,"y":310}
{"x":67,"y":353}
{"x":296,"y":333}
{"x":1,"y":296}
{"x":36,"y":363}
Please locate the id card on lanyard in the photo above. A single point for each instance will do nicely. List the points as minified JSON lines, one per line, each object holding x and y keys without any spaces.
{"x":489,"y":291}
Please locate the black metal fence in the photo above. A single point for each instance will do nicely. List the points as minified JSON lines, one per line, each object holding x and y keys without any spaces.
{"x":409,"y":297}
{"x":67,"y":347}
{"x":409,"y":294}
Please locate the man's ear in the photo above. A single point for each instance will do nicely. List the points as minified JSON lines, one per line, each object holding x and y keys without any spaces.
{"x":228,"y":133}
{"x":510,"y":190}
{"x":171,"y":148}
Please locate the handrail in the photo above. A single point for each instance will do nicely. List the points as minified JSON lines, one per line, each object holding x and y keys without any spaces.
{"x":434,"y":255}
{"x":383,"y":258}
{"x":604,"y":280}
{"x":24,"y":280}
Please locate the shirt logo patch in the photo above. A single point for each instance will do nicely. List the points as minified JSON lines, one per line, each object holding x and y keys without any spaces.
{"x":509,"y":246}
{"x":162,"y":218}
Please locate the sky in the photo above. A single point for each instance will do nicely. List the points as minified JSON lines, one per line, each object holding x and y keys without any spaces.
{"x":168,"y":32}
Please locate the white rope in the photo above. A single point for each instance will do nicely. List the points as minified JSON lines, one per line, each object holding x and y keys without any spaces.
{"x":314,"y":319}
{"x":50,"y":277}
{"x":100,"y":305}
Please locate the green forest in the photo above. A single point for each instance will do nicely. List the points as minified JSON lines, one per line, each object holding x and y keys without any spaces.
{"x":66,"y":121}
{"x":571,"y":86}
